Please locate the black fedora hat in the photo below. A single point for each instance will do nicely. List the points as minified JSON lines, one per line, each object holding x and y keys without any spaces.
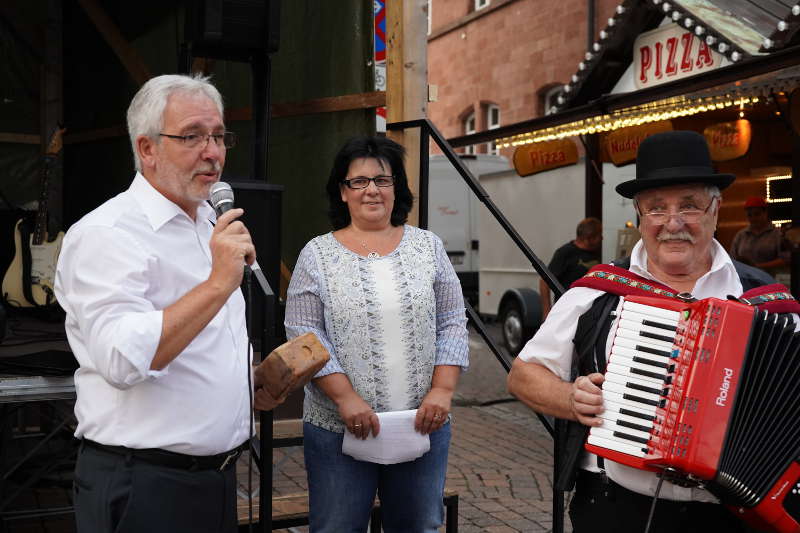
{"x":673,"y":158}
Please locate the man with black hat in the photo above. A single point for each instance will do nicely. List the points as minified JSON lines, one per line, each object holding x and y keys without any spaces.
{"x":676,"y":195}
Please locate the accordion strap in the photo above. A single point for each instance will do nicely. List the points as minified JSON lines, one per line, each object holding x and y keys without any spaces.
{"x":774,"y":297}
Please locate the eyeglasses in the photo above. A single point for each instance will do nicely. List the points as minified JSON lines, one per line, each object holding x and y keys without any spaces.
{"x":362,"y":182}
{"x":689,"y":216}
{"x":195,"y":140}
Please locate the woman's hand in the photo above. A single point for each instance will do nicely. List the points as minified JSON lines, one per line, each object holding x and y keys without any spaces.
{"x":433,"y":411}
{"x":358,"y":416}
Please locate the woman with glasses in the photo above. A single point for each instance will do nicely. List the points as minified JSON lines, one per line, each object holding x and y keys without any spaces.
{"x":384,"y":299}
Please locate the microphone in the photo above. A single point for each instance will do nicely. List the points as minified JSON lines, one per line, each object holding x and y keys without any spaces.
{"x":221,"y":197}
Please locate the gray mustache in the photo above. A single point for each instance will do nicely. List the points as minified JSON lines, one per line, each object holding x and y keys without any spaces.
{"x":678,"y":236}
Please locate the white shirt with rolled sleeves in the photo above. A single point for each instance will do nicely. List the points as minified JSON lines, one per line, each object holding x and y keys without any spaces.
{"x":552,"y":347}
{"x":119,"y":267}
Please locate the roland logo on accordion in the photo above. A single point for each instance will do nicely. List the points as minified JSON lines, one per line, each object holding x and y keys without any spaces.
{"x":723,"y":389}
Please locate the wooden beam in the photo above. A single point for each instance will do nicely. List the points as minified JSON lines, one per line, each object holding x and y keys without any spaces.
{"x":96,"y":135}
{"x":406,"y":80}
{"x":347,"y":102}
{"x":126,"y":53}
{"x":19,"y":138}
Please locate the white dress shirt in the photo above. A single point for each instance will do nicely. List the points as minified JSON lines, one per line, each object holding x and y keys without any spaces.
{"x":552,"y":348}
{"x":120,"y":266}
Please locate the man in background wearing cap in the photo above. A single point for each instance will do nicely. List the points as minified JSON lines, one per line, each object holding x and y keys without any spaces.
{"x":676,"y":195}
{"x":760,"y":244}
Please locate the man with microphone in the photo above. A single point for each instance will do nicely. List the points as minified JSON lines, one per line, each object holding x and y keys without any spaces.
{"x":149,"y":282}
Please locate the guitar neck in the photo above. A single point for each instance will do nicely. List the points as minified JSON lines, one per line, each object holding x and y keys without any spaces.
{"x":40,"y":227}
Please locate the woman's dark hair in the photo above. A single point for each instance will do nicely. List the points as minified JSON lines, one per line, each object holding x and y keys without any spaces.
{"x":379,"y":148}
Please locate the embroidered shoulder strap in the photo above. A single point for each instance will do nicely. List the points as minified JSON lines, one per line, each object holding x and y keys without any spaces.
{"x":622,"y":282}
{"x":774,"y":298}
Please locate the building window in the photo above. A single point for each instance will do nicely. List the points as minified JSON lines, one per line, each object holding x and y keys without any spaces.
{"x":480,"y":4}
{"x":492,"y":123}
{"x":469,"y":128}
{"x":430,"y":15}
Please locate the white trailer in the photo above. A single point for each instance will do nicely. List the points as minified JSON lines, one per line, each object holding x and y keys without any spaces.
{"x":453,"y":212}
{"x":545,"y":209}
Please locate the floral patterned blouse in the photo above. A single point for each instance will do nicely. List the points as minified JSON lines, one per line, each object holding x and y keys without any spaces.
{"x":386,"y":321}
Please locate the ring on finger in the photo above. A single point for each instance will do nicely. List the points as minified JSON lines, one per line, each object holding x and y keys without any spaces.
{"x":356,"y":426}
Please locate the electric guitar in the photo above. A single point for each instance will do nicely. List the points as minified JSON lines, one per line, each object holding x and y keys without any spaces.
{"x":30,"y":278}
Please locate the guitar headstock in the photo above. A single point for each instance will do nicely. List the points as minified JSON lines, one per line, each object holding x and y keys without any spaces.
{"x":56,"y":141}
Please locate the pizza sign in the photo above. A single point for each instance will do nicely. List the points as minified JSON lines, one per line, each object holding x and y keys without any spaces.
{"x":670,"y":53}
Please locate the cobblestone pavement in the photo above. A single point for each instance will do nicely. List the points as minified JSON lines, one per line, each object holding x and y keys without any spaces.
{"x":500,"y":463}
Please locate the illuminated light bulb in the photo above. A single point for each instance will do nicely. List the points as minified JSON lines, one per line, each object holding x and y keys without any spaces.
{"x":767,"y":43}
{"x":575,"y":78}
{"x":620,"y":10}
{"x":676,"y":15}
{"x":560,"y":100}
{"x":699,"y":30}
{"x":688,"y":22}
{"x":710,"y":40}
{"x":741,"y":114}
{"x":603,"y":34}
{"x":588,"y":56}
{"x":782,"y":25}
{"x":722,"y":47}
{"x":735,"y":56}
{"x":596,"y":47}
{"x":666,"y":7}
{"x":796,"y":10}
{"x":581,"y":66}
{"x":567,"y":88}
{"x":612,"y":21}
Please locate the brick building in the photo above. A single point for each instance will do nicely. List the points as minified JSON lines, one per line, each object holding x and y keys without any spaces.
{"x":497,"y":62}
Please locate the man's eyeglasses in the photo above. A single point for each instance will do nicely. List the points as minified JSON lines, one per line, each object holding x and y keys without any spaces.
{"x":660,"y":216}
{"x":196,"y":140}
{"x":362,"y":182}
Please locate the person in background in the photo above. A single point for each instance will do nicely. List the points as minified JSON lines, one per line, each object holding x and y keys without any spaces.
{"x":156,"y":320}
{"x":574,"y":259}
{"x":385,"y":301}
{"x":760,"y":244}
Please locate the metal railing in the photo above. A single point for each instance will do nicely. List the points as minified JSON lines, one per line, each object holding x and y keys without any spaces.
{"x":428,"y":131}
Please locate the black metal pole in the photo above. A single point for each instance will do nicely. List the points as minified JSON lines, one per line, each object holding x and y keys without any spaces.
{"x":483,"y":196}
{"x":424,"y":147}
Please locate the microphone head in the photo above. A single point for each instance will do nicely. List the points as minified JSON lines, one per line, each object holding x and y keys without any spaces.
{"x":221,"y":196}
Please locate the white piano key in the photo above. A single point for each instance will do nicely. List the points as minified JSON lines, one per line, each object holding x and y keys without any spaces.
{"x":612,"y":404}
{"x":625,"y":366}
{"x":617,"y":398}
{"x":641,"y":348}
{"x":612,"y":425}
{"x":619,"y":418}
{"x":616,"y":446}
{"x":660,"y":344}
{"x":614,"y":377}
{"x":651,"y":310}
{"x":640,"y":317}
{"x":636,"y":326}
{"x":622,"y":389}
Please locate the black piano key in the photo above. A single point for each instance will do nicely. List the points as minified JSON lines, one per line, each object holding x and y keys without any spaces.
{"x":646,"y":361}
{"x":625,"y":423}
{"x":634,"y":438}
{"x":636,"y":414}
{"x":636,"y":386}
{"x":659,"y":325}
{"x":639,"y":399}
{"x":654,"y":351}
{"x":665,"y":338}
{"x":656,"y":375}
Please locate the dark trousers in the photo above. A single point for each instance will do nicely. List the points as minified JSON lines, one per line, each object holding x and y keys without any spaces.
{"x":604,"y":507}
{"x":118,"y":494}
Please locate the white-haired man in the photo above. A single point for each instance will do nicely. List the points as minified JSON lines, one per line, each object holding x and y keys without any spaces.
{"x":153,"y":315}
{"x":676,"y":195}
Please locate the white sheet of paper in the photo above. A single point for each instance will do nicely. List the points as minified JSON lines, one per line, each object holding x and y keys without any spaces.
{"x":397,"y":441}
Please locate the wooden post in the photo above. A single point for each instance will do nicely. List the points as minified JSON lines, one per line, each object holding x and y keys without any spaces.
{"x":407,"y":79}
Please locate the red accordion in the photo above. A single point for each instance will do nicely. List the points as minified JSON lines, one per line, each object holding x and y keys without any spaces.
{"x":711,"y":391}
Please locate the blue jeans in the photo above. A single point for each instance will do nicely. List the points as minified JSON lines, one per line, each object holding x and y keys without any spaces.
{"x":341,"y":489}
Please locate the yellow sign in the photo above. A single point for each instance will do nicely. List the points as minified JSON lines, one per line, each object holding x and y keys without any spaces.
{"x":622,"y":145}
{"x":728,"y":140}
{"x":538,"y":157}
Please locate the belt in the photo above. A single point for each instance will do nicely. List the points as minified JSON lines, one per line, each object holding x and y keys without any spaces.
{"x":180,"y":461}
